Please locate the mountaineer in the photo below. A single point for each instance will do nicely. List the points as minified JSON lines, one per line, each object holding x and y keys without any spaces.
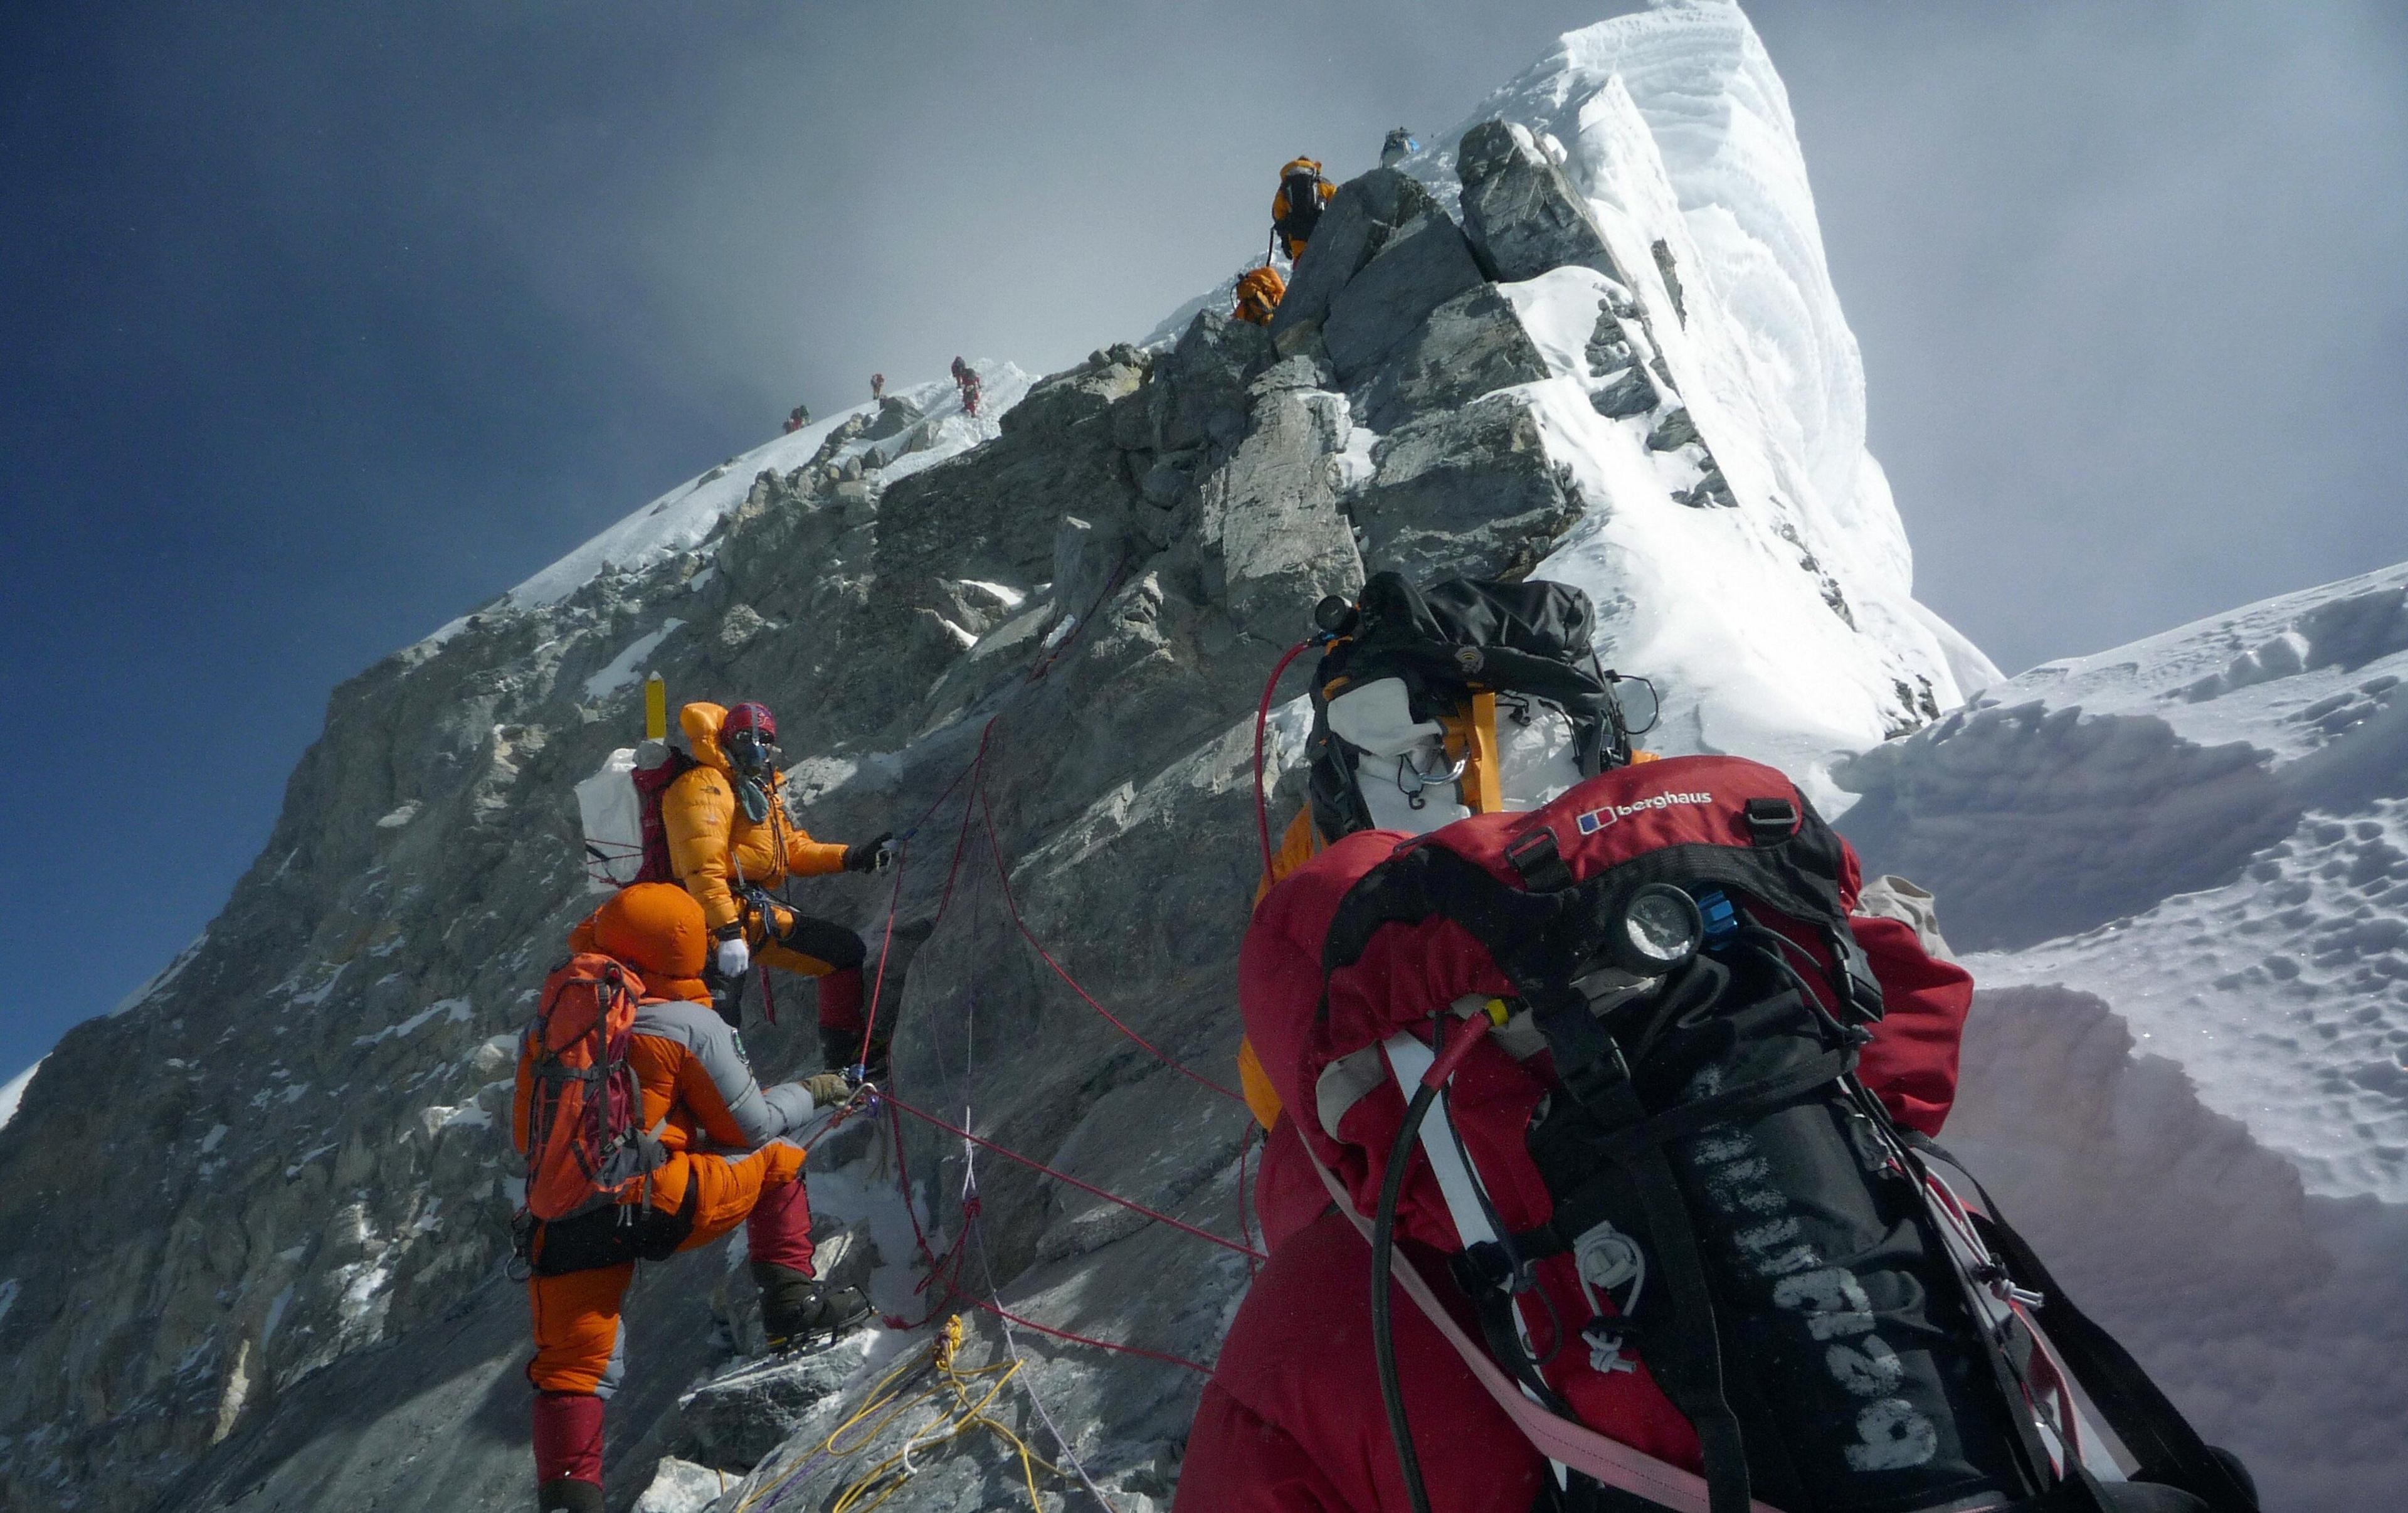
{"x":681,"y":1146}
{"x":1260,"y":294}
{"x":1297,"y":203}
{"x":797,"y":418}
{"x":1399,"y":147}
{"x":966,"y":376}
{"x":1600,"y":1173}
{"x":1611,"y":1146}
{"x":731,"y":839}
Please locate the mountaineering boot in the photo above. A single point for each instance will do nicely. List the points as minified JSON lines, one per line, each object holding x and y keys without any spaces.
{"x":568,"y":1495}
{"x":798,"y":1309}
{"x":839,"y":1047}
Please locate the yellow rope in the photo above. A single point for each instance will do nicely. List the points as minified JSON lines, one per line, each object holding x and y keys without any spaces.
{"x":888,"y":1401}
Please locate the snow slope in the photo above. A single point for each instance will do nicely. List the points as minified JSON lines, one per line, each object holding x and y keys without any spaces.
{"x":1785,"y":627}
{"x":686,"y":515}
{"x":2208,"y":829}
{"x":2187,"y":1073}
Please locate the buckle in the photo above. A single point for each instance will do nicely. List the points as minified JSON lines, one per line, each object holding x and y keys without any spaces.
{"x":1537,"y":863}
{"x":1489,"y":1265}
{"x":1770,"y":821}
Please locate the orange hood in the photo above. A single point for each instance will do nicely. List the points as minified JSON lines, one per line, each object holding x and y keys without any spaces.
{"x":700,"y":723}
{"x":658,"y":929}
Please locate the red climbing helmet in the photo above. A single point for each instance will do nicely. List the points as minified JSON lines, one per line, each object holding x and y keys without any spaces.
{"x":747,"y":734}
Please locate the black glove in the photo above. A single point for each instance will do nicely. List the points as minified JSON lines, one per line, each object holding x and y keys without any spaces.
{"x":871,"y":856}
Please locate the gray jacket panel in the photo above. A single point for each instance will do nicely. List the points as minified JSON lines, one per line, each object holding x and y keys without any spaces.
{"x":706,"y":1036}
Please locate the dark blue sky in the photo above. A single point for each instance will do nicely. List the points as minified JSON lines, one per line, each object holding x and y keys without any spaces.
{"x":321,"y":324}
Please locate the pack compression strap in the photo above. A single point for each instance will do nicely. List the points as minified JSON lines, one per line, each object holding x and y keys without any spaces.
{"x":1575,"y":1444}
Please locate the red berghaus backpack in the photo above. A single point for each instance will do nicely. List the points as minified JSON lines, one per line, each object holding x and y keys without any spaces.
{"x":586,"y":1142}
{"x":1610,"y":1046}
{"x":651,"y":784}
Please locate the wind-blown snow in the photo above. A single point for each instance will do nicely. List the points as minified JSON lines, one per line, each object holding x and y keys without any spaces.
{"x":12,"y":1092}
{"x":2208,"y":829}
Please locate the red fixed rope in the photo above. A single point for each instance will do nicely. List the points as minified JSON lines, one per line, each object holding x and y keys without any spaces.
{"x":1262,"y":723}
{"x":1034,"y":1165}
{"x":903,"y":1178}
{"x":1003,"y":879}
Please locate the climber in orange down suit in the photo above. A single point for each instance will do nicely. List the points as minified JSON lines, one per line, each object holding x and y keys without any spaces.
{"x":701,"y":1093}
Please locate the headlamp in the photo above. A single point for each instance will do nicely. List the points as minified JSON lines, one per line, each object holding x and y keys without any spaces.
{"x":1657,"y":931}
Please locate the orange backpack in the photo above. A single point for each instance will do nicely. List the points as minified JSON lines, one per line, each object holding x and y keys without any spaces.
{"x":586,"y":1141}
{"x":1260,"y":294}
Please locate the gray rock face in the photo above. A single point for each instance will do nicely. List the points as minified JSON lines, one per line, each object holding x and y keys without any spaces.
{"x":1469,"y":346}
{"x":733,"y":1420}
{"x":1361,"y":217}
{"x":1522,"y":214}
{"x":1421,"y":266}
{"x":1470,"y":492}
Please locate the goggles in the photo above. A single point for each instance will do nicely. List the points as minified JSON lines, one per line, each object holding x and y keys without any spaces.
{"x":749,"y":750}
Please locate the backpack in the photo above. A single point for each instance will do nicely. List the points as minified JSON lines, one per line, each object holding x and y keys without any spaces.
{"x":620,"y":808}
{"x":1703,"y":1188}
{"x":1406,"y":730}
{"x":1303,"y":188}
{"x":1260,"y":294}
{"x":586,"y":1143}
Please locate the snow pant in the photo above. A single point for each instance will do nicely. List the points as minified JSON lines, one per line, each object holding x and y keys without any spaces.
{"x":582,"y":1266}
{"x":819,"y":948}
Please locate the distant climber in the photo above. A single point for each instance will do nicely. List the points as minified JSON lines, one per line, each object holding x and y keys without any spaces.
{"x":715,"y":1152}
{"x":731,"y":839}
{"x":797,"y":418}
{"x":966,"y":376}
{"x":1399,"y":146}
{"x":877,"y":387}
{"x":1260,"y":294}
{"x":1297,"y":208}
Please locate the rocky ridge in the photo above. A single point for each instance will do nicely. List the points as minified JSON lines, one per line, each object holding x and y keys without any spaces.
{"x":292,"y":1294}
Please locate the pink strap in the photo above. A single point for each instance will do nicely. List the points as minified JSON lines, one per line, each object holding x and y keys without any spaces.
{"x":1576,"y":1446}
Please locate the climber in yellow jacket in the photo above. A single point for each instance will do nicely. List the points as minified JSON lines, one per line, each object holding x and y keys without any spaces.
{"x":732,"y":837}
{"x":1296,"y":207}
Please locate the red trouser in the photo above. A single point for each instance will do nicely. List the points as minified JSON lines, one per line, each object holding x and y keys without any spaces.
{"x":579,"y":1359}
{"x":819,"y":948}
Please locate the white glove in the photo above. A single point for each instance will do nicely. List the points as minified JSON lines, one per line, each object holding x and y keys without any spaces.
{"x":734,"y":957}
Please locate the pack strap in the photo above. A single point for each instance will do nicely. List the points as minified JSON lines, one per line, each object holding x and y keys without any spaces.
{"x":1575,"y":1446}
{"x":1580,"y":1212}
{"x":2139,"y":1413}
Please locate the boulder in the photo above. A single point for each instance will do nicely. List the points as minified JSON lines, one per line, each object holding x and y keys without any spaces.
{"x":1471,"y":345}
{"x":1470,"y":492}
{"x":1359,"y":220}
{"x":681,"y":1487}
{"x":894,"y":413}
{"x":1198,"y":392}
{"x":734,"y":1420}
{"x":1423,"y":266}
{"x":1521,"y":213}
{"x":1273,"y":514}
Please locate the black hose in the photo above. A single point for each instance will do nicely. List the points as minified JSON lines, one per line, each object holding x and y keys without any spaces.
{"x":1384,"y":1343}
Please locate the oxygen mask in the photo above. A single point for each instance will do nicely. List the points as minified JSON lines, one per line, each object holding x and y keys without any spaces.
{"x":750,"y":753}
